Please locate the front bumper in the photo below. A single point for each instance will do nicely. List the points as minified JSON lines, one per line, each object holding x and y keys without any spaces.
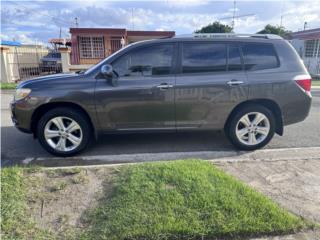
{"x":21,"y":115}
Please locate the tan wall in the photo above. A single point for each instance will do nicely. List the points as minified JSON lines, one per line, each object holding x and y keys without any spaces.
{"x":89,"y":60}
{"x":21,"y":56}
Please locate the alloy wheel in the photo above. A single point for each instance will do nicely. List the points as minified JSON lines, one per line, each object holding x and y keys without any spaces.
{"x":252,"y":128}
{"x":63,"y":134}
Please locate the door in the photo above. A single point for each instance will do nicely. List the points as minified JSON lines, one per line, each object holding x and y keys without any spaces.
{"x":143,"y":98}
{"x":210,"y":84}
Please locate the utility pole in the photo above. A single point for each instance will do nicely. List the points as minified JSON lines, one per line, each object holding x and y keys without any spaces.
{"x":132,"y":22}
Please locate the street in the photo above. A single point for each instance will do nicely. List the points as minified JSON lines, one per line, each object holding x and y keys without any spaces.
{"x":18,"y":147}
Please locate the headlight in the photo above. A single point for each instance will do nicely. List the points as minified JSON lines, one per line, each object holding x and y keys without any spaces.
{"x":21,"y":93}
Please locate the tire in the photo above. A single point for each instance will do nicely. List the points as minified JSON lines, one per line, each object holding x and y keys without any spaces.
{"x":74,"y":137}
{"x":247,"y":135}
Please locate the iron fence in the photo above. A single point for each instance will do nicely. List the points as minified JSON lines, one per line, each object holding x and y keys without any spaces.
{"x":25,"y":63}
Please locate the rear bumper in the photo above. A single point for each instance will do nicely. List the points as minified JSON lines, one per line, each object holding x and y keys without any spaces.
{"x":298,"y":110}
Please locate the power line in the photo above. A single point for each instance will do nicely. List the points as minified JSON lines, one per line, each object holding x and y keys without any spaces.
{"x":41,"y":13}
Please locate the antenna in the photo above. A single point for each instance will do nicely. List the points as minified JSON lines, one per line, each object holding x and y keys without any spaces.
{"x":76,"y":22}
{"x":235,"y":17}
{"x":234,"y":13}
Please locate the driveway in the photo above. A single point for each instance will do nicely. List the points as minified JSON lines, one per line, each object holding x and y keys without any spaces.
{"x":17,"y":146}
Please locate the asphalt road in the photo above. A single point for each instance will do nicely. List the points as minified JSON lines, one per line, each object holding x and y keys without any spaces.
{"x":17,"y":146}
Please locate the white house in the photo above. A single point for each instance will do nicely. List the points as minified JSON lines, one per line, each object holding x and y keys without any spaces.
{"x":307,"y":44}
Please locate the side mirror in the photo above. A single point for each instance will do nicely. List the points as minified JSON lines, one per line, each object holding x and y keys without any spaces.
{"x":107,"y":71}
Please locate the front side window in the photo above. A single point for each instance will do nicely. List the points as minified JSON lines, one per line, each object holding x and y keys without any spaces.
{"x":258,"y":56}
{"x":147,"y":61}
{"x":91,"y":47}
{"x":203,"y":57}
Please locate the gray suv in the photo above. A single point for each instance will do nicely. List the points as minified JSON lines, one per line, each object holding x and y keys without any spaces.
{"x":249,"y":85}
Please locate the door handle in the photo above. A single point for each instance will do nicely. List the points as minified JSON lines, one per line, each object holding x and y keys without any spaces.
{"x":235,"y":82}
{"x":164,"y":86}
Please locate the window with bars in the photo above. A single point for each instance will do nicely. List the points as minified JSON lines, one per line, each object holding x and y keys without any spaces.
{"x":91,"y":47}
{"x":312,"y":48}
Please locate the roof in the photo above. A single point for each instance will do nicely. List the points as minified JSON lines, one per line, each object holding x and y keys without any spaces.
{"x":10,"y":43}
{"x":120,"y":32}
{"x":307,"y":34}
{"x":60,"y":40}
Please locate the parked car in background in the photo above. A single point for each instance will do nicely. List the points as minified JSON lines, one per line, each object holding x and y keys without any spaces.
{"x":249,"y":85}
{"x":51,"y":63}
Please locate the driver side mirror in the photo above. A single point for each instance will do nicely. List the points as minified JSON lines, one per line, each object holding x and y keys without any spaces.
{"x":108,"y":73}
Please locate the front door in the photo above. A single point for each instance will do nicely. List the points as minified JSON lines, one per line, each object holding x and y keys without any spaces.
{"x":143,"y":98}
{"x":210,"y":84}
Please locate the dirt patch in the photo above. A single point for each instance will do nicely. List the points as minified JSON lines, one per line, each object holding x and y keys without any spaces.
{"x":57,"y":199}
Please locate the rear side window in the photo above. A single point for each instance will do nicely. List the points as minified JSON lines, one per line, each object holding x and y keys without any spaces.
{"x":234,"y":58}
{"x":259,"y":56}
{"x":203,"y":57}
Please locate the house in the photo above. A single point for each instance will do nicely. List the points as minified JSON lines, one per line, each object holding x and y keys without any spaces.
{"x":20,"y":61}
{"x":91,"y":45}
{"x":307,"y":44}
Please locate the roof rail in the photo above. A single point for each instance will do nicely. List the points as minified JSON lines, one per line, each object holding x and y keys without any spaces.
{"x":228,"y":35}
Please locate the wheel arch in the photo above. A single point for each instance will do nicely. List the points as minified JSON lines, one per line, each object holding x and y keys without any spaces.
{"x":270,"y":104}
{"x":44,"y":108}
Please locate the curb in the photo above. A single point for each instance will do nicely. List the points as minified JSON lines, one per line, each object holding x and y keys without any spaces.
{"x":282,"y":154}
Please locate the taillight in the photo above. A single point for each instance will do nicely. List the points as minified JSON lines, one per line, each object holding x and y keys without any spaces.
{"x":305,"y":84}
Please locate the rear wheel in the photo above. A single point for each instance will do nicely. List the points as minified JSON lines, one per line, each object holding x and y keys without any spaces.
{"x":63,"y":131}
{"x":252,"y":127}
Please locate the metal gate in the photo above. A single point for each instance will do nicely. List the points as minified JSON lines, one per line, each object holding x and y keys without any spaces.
{"x":25,"y":63}
{"x":115,"y":44}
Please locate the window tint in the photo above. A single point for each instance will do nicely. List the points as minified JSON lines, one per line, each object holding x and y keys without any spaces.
{"x":153,"y":60}
{"x":203,"y":57}
{"x":259,"y":56}
{"x":234,"y":59}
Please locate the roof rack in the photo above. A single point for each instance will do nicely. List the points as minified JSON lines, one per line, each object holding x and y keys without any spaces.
{"x":228,"y":35}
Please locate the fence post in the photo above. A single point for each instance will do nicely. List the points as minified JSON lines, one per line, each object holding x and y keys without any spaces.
{"x":65,"y":59}
{"x":4,"y":65}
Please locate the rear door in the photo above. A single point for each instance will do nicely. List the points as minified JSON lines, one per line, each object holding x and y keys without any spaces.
{"x":210,"y":83}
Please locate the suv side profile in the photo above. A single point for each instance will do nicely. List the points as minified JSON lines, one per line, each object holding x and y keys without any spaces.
{"x":251,"y":86}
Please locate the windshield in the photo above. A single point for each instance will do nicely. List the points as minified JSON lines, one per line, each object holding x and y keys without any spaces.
{"x":94,"y":67}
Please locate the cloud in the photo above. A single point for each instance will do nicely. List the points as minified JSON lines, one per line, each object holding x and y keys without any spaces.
{"x":30,"y":21}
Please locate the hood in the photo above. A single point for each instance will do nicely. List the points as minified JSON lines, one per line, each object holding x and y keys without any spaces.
{"x":48,"y":78}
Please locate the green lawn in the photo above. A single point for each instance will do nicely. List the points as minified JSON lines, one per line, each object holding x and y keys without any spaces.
{"x":315,"y":82}
{"x":15,"y":222}
{"x":187,"y":199}
{"x":8,"y":85}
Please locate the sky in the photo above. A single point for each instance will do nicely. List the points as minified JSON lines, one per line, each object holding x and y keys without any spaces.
{"x":33,"y":22}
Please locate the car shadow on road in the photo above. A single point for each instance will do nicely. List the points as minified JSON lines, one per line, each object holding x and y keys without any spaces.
{"x":17,"y":146}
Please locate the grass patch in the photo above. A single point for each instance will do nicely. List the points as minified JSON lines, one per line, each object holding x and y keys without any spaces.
{"x":169,"y":200}
{"x":8,"y":85}
{"x":316,"y":82}
{"x":15,"y":222}
{"x":185,"y":200}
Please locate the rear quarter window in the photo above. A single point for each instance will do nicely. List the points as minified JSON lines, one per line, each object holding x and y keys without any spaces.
{"x":258,"y":56}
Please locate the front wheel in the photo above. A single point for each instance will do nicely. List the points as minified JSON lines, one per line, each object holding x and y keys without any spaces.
{"x":63,"y":132}
{"x":252,"y":127}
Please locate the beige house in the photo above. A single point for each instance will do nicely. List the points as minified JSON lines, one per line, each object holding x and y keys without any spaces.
{"x":20,"y":61}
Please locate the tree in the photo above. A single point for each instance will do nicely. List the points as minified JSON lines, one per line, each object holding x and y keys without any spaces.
{"x":278,"y":30}
{"x":215,"y":27}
